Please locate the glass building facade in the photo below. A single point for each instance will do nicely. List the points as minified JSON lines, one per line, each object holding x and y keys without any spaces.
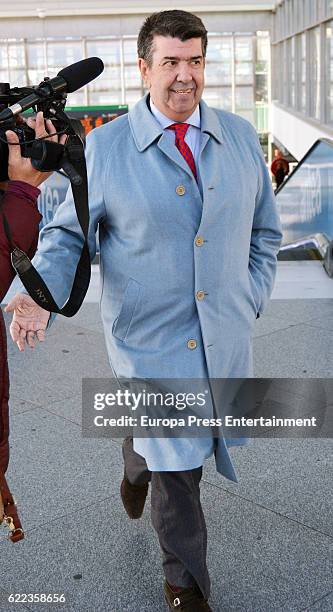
{"x":237,"y":72}
{"x":302,"y":58}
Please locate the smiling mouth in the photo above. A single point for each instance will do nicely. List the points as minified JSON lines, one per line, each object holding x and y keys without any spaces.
{"x":182,"y":91}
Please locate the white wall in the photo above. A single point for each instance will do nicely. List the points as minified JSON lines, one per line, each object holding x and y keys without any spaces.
{"x":71,"y":7}
{"x":117,"y":25}
{"x":295,"y":133}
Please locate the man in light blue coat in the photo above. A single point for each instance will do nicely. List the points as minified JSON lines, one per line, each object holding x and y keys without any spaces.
{"x":189,"y":234}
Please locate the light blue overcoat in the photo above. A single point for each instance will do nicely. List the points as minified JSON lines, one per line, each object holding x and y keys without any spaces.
{"x":151,"y":211}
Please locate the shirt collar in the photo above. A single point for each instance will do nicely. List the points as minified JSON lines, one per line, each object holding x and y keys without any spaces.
{"x":165,"y":121}
{"x":146,"y":129}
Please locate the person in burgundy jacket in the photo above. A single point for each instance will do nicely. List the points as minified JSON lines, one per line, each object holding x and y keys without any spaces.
{"x":18,"y":204}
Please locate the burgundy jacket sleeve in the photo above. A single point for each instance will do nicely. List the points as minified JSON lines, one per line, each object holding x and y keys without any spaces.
{"x":19,"y":206}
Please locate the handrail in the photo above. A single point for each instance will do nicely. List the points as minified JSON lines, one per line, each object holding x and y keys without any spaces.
{"x":318,"y":240}
{"x":300,"y":163}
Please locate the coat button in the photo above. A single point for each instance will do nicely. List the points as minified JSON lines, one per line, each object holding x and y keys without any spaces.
{"x":200,"y":294}
{"x":180,"y":190}
{"x":191,"y":344}
{"x":199,"y":241}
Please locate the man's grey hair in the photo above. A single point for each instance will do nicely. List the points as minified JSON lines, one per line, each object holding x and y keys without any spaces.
{"x":177,"y":24}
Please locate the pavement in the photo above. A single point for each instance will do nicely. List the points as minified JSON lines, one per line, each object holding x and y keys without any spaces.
{"x":270,"y":536}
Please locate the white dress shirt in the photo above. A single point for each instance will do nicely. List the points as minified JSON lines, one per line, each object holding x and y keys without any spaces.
{"x":193,"y":134}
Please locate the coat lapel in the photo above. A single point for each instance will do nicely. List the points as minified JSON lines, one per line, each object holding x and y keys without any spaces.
{"x":146,"y":131}
{"x":169,"y":149}
{"x":144,"y":127}
{"x":210,"y":124}
{"x":209,"y":155}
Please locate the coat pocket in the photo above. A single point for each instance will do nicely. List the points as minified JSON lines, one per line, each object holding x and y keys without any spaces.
{"x":123,"y":321}
{"x":254,"y":293}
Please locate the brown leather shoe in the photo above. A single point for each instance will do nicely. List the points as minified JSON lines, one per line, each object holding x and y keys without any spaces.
{"x":190,"y":599}
{"x":133,"y":497}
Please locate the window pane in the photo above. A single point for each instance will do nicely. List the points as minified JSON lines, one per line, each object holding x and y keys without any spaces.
{"x":285,"y":66}
{"x":261,"y":112}
{"x":244,"y":72}
{"x":261,"y":92}
{"x":277,"y":69}
{"x":4,"y":76}
{"x":244,"y":59}
{"x":17,"y":78}
{"x":132,"y":77}
{"x":303,"y":74}
{"x":107,"y":50}
{"x":244,"y":98}
{"x":315,"y":72}
{"x":36,"y":56}
{"x":218,"y":64}
{"x":130,"y":51}
{"x":77,"y":98}
{"x":243,"y":48}
{"x":261,"y":68}
{"x":16,"y":55}
{"x":36,"y":76}
{"x":3,"y":56}
{"x":12,"y":64}
{"x":105,"y":98}
{"x":109,"y":80}
{"x":298,"y":15}
{"x":219,"y":73}
{"x":219,"y":49}
{"x":321,"y":9}
{"x":106,"y":89}
{"x":329,"y":61}
{"x":219,"y":97}
{"x":62,"y":54}
{"x":247,"y":114}
{"x":292,"y":72}
{"x":262,"y":48}
{"x":132,"y":97}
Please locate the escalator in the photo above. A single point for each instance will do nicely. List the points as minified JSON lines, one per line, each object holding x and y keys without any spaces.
{"x":305,"y":205}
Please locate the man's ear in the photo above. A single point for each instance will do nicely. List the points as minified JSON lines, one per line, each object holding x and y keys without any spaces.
{"x":144,"y":70}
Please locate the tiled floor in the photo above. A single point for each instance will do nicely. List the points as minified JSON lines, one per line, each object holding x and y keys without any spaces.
{"x":270,"y":535}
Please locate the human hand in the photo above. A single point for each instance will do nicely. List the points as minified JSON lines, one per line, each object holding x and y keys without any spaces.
{"x":29,"y":321}
{"x":20,"y":168}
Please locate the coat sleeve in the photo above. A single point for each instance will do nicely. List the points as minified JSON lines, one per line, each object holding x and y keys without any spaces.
{"x":19,"y":207}
{"x":61,"y":240}
{"x":266,"y":233}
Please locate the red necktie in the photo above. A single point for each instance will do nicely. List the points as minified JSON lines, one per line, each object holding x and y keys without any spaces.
{"x":180,"y":130}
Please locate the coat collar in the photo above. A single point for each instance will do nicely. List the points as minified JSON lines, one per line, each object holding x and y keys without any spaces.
{"x":146,"y":129}
{"x":210,"y":123}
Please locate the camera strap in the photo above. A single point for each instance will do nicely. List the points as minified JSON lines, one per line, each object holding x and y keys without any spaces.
{"x":28,"y":274}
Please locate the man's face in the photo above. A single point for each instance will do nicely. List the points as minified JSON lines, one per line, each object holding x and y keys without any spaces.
{"x":176,"y":77}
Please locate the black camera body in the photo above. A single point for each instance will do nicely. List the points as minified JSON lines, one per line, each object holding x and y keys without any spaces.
{"x":45,"y":155}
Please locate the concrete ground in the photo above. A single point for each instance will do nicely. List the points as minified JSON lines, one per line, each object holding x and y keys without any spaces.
{"x":270,"y":536}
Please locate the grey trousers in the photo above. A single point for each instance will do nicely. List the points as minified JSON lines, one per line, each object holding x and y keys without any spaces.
{"x":177,"y":518}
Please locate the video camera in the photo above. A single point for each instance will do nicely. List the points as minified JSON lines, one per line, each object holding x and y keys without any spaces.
{"x":49,"y":96}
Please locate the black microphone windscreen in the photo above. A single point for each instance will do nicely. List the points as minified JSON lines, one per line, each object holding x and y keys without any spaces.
{"x":79,"y":74}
